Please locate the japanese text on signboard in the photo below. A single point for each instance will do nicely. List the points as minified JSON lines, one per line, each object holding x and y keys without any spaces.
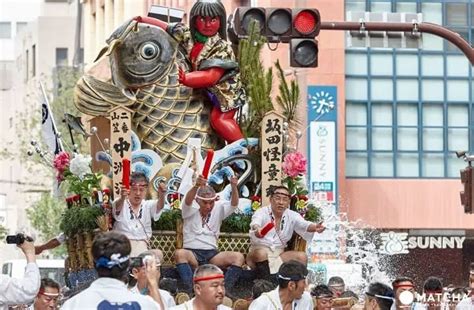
{"x":120,"y":141}
{"x":272,"y":153}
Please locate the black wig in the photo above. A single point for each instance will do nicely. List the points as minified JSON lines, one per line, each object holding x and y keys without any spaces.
{"x":211,"y":8}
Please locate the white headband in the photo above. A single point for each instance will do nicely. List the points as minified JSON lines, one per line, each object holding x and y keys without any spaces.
{"x":207,"y":198}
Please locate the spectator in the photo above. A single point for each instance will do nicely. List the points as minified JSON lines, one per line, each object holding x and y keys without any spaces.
{"x":400,"y":285}
{"x":378,"y":297}
{"x":290,"y":291}
{"x":324,"y":297}
{"x":433,"y":290}
{"x":209,"y":289}
{"x":111,"y":252}
{"x":138,"y":272}
{"x":260,"y":287}
{"x":337,"y":286}
{"x":24,"y":290}
{"x":48,"y":295}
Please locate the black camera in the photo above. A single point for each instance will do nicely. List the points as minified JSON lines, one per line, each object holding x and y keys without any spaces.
{"x":18,"y":239}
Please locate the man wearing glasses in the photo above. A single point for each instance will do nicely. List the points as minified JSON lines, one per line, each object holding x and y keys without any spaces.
{"x":290,"y":293}
{"x":266,"y":252}
{"x":134,"y":215}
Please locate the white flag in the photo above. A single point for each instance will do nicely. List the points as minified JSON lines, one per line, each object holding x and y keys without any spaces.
{"x":48,"y":127}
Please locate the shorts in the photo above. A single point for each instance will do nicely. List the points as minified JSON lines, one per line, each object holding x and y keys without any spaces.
{"x":203,"y":256}
{"x":274,"y":259}
{"x":138,"y":247}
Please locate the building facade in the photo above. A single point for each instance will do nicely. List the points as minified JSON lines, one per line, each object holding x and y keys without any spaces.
{"x":42,"y":39}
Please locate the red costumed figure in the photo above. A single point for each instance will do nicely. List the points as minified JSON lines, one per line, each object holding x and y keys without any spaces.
{"x":213,"y":61}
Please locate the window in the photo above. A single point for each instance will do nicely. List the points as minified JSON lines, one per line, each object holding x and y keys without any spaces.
{"x":5,"y":30}
{"x":78,"y":57}
{"x":33,"y":60}
{"x":6,"y":75}
{"x":61,"y":57}
{"x":20,"y":26}
{"x":409,"y":111}
{"x":456,"y":14}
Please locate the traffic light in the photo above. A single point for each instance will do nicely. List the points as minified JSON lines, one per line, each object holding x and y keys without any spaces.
{"x":299,"y":27}
{"x":467,"y":195}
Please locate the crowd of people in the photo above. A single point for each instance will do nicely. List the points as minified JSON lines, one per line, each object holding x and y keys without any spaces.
{"x":129,"y":273}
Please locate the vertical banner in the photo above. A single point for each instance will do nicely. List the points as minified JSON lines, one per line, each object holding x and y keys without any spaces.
{"x":48,"y":126}
{"x":322,"y":118}
{"x":272,"y":153}
{"x":322,"y":138}
{"x":120,"y":142}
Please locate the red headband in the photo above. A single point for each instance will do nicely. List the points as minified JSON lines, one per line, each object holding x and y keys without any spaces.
{"x":216,"y":276}
{"x":403,"y":285}
{"x":42,"y":292}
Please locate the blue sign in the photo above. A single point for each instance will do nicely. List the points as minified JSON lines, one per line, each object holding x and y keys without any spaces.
{"x":322,"y":103}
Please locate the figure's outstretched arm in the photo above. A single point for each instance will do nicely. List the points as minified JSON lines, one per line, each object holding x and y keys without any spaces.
{"x":151,"y":21}
{"x":201,"y":79}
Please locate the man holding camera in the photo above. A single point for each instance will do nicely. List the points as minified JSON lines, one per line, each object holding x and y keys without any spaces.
{"x":138,"y":272}
{"x":21,"y":291}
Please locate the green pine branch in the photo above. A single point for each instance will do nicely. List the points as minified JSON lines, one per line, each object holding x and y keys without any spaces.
{"x":289,"y":96}
{"x":256,"y":80}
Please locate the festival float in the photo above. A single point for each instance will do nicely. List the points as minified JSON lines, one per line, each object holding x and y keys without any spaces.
{"x":142,"y":99}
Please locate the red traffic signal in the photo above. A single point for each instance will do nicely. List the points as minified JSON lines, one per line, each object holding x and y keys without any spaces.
{"x":306,"y":22}
{"x":299,"y":27}
{"x":467,"y":194}
{"x":278,"y":24}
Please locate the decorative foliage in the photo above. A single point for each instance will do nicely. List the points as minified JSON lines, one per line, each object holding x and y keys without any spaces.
{"x":289,"y":97}
{"x":294,"y":164}
{"x":294,"y":167}
{"x":76,"y":175}
{"x":80,"y":219}
{"x":60,"y":163}
{"x":237,"y":223}
{"x":256,"y":80}
{"x":256,"y":203}
{"x":168,"y":220}
{"x":80,"y":165}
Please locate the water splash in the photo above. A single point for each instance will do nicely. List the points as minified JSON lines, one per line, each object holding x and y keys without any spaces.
{"x":352,"y":252}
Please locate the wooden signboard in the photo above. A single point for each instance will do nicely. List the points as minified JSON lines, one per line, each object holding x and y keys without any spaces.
{"x":120,"y":142}
{"x":272,"y":153}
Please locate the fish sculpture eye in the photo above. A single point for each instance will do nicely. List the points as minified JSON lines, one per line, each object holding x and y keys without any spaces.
{"x":149,"y":51}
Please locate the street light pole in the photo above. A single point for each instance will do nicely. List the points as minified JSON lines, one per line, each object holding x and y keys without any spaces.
{"x":434,"y":29}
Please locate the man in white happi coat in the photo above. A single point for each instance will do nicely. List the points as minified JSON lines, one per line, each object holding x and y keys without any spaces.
{"x":21,"y":291}
{"x":291,"y":291}
{"x":134,"y":215}
{"x":202,"y":219}
{"x":266,"y":253}
{"x":111,"y":252}
{"x":209,"y":290}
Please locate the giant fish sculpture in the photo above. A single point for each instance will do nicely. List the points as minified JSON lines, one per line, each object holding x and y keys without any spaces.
{"x":144,"y":63}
